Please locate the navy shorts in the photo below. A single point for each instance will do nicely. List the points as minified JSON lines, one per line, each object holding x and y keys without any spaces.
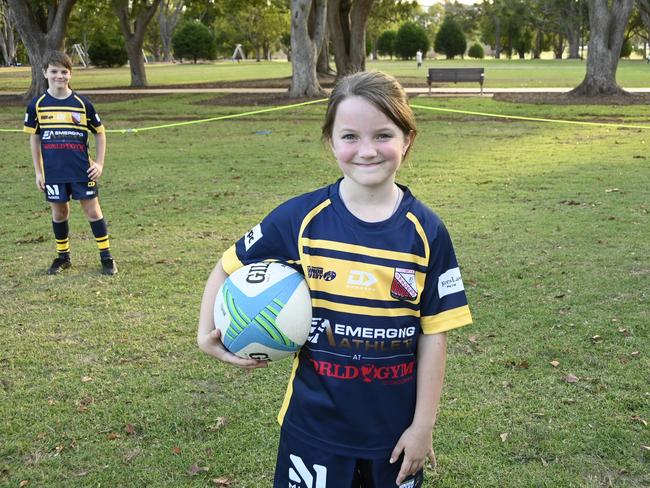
{"x":79,"y":190}
{"x":302,"y":465}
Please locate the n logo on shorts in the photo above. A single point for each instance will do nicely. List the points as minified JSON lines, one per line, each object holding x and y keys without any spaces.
{"x":52,"y":190}
{"x":304,"y":477}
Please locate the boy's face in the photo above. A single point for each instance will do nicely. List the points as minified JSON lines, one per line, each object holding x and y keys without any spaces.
{"x":57,"y":76}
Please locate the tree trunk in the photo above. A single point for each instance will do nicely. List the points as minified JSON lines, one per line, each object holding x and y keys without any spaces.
{"x":497,"y":37}
{"x":37,"y":40}
{"x":167,"y":20}
{"x":134,"y":35}
{"x":558,"y":46}
{"x":347,"y":20}
{"x":305,"y":47}
{"x":323,"y":64}
{"x":607,"y":32}
{"x":537,"y":47}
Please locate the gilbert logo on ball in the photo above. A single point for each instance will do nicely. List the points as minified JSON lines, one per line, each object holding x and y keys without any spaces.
{"x":264,"y":311}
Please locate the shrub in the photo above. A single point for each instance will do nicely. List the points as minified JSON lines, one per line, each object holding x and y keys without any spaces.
{"x":476,"y":51}
{"x":386,"y":43}
{"x":450,"y":40}
{"x":107,"y":50}
{"x":194,"y":40}
{"x":626,"y":48}
{"x":410,"y":37}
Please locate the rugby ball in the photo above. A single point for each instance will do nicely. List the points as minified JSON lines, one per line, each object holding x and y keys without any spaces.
{"x":264,"y":311}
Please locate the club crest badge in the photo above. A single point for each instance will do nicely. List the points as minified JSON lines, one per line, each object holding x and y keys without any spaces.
{"x":76,"y":117}
{"x":404,"y":286}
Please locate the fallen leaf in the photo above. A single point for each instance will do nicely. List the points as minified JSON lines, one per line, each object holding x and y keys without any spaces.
{"x":196,"y":469}
{"x":635,"y":354}
{"x":568,"y":401}
{"x":646,"y":448}
{"x":555,"y":363}
{"x":112,"y":436}
{"x":131,"y":455}
{"x":219,"y":424}
{"x":472,"y":339}
{"x":504,"y":436}
{"x":23,"y":483}
{"x":86,"y":379}
{"x":570,"y":378}
{"x":81,"y":473}
{"x":222,"y":481}
{"x":176,"y":450}
{"x":129,"y":429}
{"x":612,"y":190}
{"x":625,"y":332}
{"x":596,"y":338}
{"x":544,"y":463}
{"x":636,"y":418}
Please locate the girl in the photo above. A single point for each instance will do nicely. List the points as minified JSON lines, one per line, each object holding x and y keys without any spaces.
{"x":361,"y":401}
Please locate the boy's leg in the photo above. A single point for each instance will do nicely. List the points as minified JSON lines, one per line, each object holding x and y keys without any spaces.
{"x":60,"y":213}
{"x":100,"y":230}
{"x":301,"y":465}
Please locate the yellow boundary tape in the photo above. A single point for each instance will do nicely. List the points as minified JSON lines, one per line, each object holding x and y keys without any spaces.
{"x":534,"y":119}
{"x":438,"y":109}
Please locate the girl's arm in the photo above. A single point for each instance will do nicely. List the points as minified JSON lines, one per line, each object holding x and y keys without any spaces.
{"x":416,"y":441}
{"x":209,"y":338}
{"x":37,"y":159}
{"x":97,"y":165}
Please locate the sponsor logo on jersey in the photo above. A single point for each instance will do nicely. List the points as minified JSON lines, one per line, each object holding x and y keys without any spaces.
{"x":47,"y":134}
{"x":368,"y":373}
{"x":300,"y":476}
{"x":318,"y":273}
{"x":68,"y":146}
{"x":358,"y":339}
{"x":404,"y":286}
{"x":450,"y":282}
{"x":362,"y":279}
{"x":253,"y":235}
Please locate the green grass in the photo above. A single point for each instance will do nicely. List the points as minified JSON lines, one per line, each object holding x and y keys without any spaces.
{"x":498,"y":73}
{"x":101,"y":380}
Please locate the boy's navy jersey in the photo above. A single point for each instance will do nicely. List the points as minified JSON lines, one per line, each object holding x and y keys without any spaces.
{"x":63,"y":126}
{"x":375,"y":288}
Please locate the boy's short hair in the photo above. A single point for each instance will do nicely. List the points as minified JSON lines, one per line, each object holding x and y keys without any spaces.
{"x":57,"y":58}
{"x":381,"y":90}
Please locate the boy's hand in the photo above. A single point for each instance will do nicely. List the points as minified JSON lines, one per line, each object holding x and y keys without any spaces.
{"x":211,"y":344}
{"x":40,"y":182}
{"x":415,"y":444}
{"x":95,"y":170}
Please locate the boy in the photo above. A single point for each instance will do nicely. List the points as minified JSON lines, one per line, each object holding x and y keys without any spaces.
{"x":58,"y":122}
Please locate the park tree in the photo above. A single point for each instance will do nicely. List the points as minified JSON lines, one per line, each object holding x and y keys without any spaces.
{"x":386,"y":15}
{"x":306,"y":43}
{"x":607,"y":22}
{"x":193,"y":40}
{"x":386,"y":43}
{"x":644,"y":13}
{"x":347,"y":20}
{"x":134,"y":17}
{"x":563,"y":19}
{"x":450,"y":39}
{"x":169,"y":15}
{"x":106,"y":49}
{"x":41,"y":25}
{"x":409,"y":39}
{"x":7,"y":37}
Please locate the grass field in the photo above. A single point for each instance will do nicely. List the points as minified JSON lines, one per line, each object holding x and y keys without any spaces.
{"x":498,"y":73}
{"x":102,"y":383}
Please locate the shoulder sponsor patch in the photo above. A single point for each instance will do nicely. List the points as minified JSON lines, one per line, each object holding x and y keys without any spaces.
{"x":450,"y":282}
{"x":252,"y":236}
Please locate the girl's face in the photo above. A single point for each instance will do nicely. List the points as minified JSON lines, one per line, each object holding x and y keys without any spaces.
{"x":368,"y":146}
{"x":57,"y":76}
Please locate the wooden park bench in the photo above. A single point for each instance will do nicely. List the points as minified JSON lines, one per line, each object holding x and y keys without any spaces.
{"x":439,"y":75}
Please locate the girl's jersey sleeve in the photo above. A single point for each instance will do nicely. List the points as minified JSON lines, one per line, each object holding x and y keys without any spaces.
{"x":444,"y":303}
{"x":275,"y":238}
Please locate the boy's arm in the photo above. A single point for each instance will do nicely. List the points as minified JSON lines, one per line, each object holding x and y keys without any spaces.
{"x":208,"y":337}
{"x":37,"y":159}
{"x":97,"y":165}
{"x":416,"y":441}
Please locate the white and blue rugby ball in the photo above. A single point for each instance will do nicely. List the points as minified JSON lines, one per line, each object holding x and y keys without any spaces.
{"x":263,"y":311}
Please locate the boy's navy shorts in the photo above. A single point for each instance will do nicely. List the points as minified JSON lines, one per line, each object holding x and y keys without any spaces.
{"x":302,"y":465}
{"x":80,"y":190}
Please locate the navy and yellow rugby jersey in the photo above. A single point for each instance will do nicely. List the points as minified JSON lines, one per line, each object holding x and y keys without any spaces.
{"x":63,"y":125}
{"x":375,"y":288}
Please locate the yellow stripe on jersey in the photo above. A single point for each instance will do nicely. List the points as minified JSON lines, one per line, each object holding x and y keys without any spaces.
{"x":422,"y":234}
{"x":444,"y":321}
{"x":365,"y":251}
{"x":357,"y":279}
{"x":308,"y":218}
{"x":230,"y":261}
{"x":289,"y":392}
{"x":52,"y":108}
{"x":29,"y":130}
{"x":361,"y":310}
